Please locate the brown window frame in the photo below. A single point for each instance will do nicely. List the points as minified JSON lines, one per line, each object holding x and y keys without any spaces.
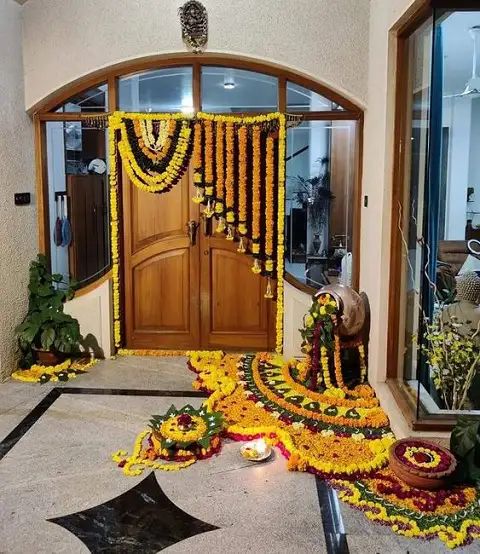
{"x":418,"y":13}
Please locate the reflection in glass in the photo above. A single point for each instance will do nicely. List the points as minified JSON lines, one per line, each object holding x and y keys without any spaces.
{"x":160,"y":90}
{"x":78,"y":200}
{"x":442,"y":212}
{"x":319,"y":202}
{"x":301,"y":99}
{"x":227,"y":90}
{"x":87,"y":101}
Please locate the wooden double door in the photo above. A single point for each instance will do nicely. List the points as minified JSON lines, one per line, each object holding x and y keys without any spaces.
{"x":185,"y":292}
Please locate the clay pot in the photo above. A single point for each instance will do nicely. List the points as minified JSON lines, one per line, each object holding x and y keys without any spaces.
{"x":351,"y":308}
{"x":416,"y":477}
{"x":47,"y":357}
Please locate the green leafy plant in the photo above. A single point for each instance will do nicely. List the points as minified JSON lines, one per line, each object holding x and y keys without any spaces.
{"x":453,"y":358}
{"x":314,"y":193}
{"x":465,"y":445}
{"x":46,"y":326}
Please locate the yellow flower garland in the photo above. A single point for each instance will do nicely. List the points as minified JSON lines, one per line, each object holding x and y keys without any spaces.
{"x":220,"y":175}
{"x":280,"y":231}
{"x":242,"y":185}
{"x":209,"y":209}
{"x":197,"y":163}
{"x":256,"y":199}
{"x":229,"y":179}
{"x":36,"y":371}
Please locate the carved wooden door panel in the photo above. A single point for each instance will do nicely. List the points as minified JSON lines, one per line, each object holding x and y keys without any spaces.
{"x":180,"y":295}
{"x":161,"y":268}
{"x":234,"y":313}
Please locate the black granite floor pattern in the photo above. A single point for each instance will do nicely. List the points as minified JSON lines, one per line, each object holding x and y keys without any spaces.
{"x":144,"y":519}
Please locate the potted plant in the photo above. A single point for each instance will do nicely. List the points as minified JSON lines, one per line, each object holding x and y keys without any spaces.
{"x":314,"y":194}
{"x":47,"y":334}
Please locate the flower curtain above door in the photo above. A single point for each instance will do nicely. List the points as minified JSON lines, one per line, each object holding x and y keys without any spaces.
{"x":239,"y":176}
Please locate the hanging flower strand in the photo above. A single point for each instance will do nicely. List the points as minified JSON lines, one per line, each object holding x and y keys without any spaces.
{"x":269,"y":216}
{"x":280,"y":232}
{"x":242,"y":186}
{"x":197,"y":164}
{"x":256,"y":200}
{"x":229,"y":180}
{"x":209,"y":197}
{"x":220,"y":174}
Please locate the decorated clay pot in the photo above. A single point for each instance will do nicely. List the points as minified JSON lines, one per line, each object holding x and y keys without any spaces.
{"x":421,"y":464}
{"x":351,"y":308}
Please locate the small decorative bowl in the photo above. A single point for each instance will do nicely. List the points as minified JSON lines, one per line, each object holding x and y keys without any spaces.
{"x":256,"y":451}
{"x":421,"y":464}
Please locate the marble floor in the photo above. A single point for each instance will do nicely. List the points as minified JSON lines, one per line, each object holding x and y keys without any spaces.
{"x":60,"y":492}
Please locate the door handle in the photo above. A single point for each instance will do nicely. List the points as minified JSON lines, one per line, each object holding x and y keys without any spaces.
{"x":192,"y":227}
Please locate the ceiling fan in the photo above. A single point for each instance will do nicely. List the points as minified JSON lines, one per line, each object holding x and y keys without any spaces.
{"x":472,"y":86}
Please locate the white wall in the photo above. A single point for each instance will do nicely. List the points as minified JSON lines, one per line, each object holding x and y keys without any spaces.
{"x":18,"y":238}
{"x":65,"y":39}
{"x":377,"y":178}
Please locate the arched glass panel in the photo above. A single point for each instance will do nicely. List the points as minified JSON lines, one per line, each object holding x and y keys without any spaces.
{"x":160,"y":90}
{"x":301,"y":99}
{"x":88,"y":101}
{"x":227,"y":90}
{"x":319,"y":202}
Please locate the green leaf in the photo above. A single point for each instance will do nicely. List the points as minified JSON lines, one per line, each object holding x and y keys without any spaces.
{"x":464,"y":436}
{"x":47,"y":338}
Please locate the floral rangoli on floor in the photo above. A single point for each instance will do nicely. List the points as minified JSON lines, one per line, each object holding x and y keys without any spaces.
{"x":340,"y":434}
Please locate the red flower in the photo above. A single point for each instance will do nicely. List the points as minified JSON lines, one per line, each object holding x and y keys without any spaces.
{"x":184,"y":420}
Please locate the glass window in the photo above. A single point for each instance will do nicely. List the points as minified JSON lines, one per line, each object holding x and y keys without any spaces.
{"x":227,"y":90}
{"x":441,"y":219}
{"x":92,"y":100}
{"x":301,"y":99}
{"x":319,"y":202}
{"x":78,"y":200}
{"x":160,"y":90}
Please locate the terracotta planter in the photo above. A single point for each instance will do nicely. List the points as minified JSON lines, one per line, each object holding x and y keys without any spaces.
{"x":47,"y":358}
{"x":417,"y":477}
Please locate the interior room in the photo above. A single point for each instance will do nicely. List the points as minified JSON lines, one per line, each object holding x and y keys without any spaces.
{"x":240,"y":276}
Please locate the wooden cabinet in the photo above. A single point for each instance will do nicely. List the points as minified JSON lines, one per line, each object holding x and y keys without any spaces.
{"x":88,"y":215}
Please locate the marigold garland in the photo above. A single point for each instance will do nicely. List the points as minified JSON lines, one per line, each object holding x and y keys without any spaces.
{"x":242,"y":186}
{"x":229,"y":179}
{"x":280,"y":232}
{"x":63,"y":371}
{"x":197,"y":163}
{"x":220,"y":175}
{"x":256,"y":199}
{"x":209,"y":192}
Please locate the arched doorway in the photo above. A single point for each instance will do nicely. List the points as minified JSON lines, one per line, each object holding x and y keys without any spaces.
{"x":184,"y":291}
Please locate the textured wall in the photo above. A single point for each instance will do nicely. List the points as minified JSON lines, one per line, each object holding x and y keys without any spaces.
{"x":18,"y":240}
{"x":65,"y":39}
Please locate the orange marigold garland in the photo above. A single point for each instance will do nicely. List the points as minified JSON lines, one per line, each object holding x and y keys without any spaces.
{"x":256,"y":199}
{"x":197,"y":164}
{"x":220,"y":176}
{"x":242,"y":186}
{"x":269,"y":216}
{"x":229,"y":180}
{"x":209,"y":195}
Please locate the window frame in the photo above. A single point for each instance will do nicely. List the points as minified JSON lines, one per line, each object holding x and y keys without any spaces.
{"x":42,"y":112}
{"x":413,"y":18}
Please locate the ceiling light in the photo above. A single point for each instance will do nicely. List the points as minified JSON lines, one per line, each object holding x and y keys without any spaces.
{"x":229,"y":81}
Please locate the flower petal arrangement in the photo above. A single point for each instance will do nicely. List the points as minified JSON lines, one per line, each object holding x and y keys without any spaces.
{"x":342,"y":436}
{"x":181,"y":435}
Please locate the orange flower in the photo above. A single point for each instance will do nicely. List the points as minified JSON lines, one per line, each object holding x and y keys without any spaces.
{"x":242,"y":180}
{"x":220,"y":170}
{"x":269,"y":202}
